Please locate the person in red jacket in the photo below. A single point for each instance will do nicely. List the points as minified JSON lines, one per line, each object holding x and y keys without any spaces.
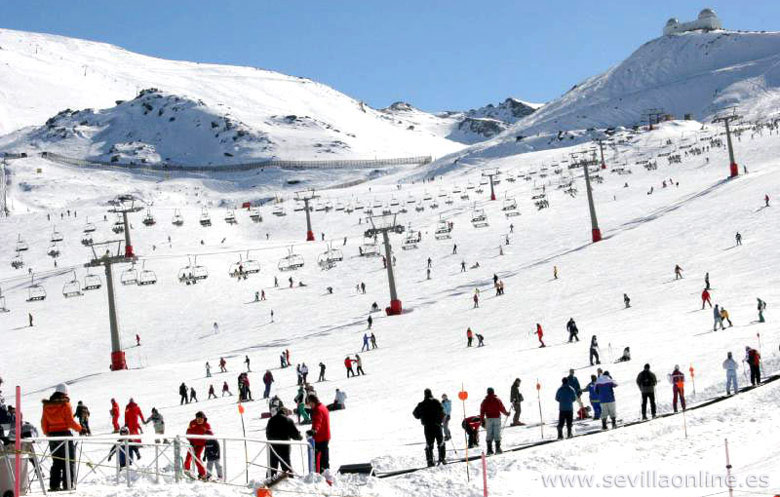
{"x":490,"y":413}
{"x":114,"y":415}
{"x":348,"y":364}
{"x":320,"y":431}
{"x":133,"y":415}
{"x":198,"y":426}
{"x":469,"y":337}
{"x":705,"y":298}
{"x":540,"y":334}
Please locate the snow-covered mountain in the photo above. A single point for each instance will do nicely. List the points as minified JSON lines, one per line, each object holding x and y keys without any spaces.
{"x":696,"y":74}
{"x":282,"y":116}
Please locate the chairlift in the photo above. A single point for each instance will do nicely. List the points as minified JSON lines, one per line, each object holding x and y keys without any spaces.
{"x":510,"y":207}
{"x":412,"y":239}
{"x":324,"y":263}
{"x":205,"y":218}
{"x":443,"y":230}
{"x":480,"y":190}
{"x":449,"y":200}
{"x":53,"y":251}
{"x":442,"y":194}
{"x":329,"y":258}
{"x":21,"y":245}
{"x":456,"y":189}
{"x":147,"y":276}
{"x":244,"y":268}
{"x":470,"y":186}
{"x":119,"y":226}
{"x":479,"y":218}
{"x":86,"y":240}
{"x":279,"y":211}
{"x":192,"y":272}
{"x":56,"y":236}
{"x":419,"y":207}
{"x":255,"y":216}
{"x":230,"y":217}
{"x":89,"y":227}
{"x":149,"y":218}
{"x":464,"y":196}
{"x":35,"y":292}
{"x":369,"y":247}
{"x":92,"y":282}
{"x":177,"y":219}
{"x":290,"y":262}
{"x":394,"y":202}
{"x":427,"y":196}
{"x":328,"y":206}
{"x":129,"y":276}
{"x":339,"y":206}
{"x":72,"y":288}
{"x":377,"y":204}
{"x":350,"y":208}
{"x":434,"y":205}
{"x":403,"y":210}
{"x":17,"y":262}
{"x":410,"y":200}
{"x":359,"y":205}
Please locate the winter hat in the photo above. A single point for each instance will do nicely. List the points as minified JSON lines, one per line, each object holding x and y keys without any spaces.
{"x":61,"y":388}
{"x":647,"y":366}
{"x":124,"y":430}
{"x":427,"y":393}
{"x":728,"y":355}
{"x":200,"y":414}
{"x":565,"y":380}
{"x":490,"y":391}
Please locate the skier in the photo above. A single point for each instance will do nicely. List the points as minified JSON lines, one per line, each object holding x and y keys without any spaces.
{"x":82,"y":414}
{"x":573,"y":382}
{"x":359,"y":363}
{"x":57,"y":421}
{"x":212,"y":394}
{"x":322,"y":373}
{"x":216,"y":328}
{"x":257,"y":296}
{"x":766,"y":200}
{"x":430,"y":263}
{"x":446,"y":405}
{"x":677,"y":379}
{"x":594,"y":397}
{"x":114,"y":415}
{"x":348,"y":365}
{"x":761,"y":308}
{"x":469,"y":337}
{"x":705,"y":298}
{"x":471,"y":426}
{"x":738,"y":237}
{"x":431,"y":414}
{"x":540,"y":334}
{"x":605,"y":386}
{"x":246,"y":361}
{"x":730,"y":365}
{"x":476,"y":300}
{"x":455,"y":249}
{"x":594,"y":350}
{"x":370,"y":322}
{"x":707,"y":280}
{"x":268,"y":379}
{"x":193,"y":395}
{"x":626,"y":300}
{"x":158,"y":423}
{"x":30,"y":319}
{"x":462,"y":266}
{"x":211,"y":454}
{"x":480,"y":340}
{"x":516,"y":398}
{"x":272,"y":315}
{"x":565,"y":397}
{"x":555,"y":272}
{"x":373,"y":341}
{"x":490,"y":412}
{"x":363,"y":287}
{"x":678,"y":272}
{"x":646,"y":381}
{"x":717,"y":318}
{"x":262,"y":294}
{"x":198,"y":426}
{"x":137,"y":340}
{"x":280,"y":427}
{"x":753,"y":358}
{"x":320,"y":431}
{"x":571,"y":327}
{"x":125,"y":458}
{"x":222,"y":365}
{"x":226,"y":389}
{"x":208,"y":370}
{"x":428,"y":273}
{"x":724,"y":315}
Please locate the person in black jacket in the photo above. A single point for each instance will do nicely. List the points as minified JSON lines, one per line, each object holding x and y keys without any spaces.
{"x":594,"y":350}
{"x":212,"y":455}
{"x":431,"y":414}
{"x":571,"y":327}
{"x":280,"y":427}
{"x":646,"y":381}
{"x":82,"y":414}
{"x":184,"y":393}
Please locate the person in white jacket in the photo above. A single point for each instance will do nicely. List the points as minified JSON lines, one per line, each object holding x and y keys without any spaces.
{"x":730,"y":365}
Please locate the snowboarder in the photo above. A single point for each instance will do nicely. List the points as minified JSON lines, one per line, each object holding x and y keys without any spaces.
{"x":359,"y":363}
{"x":724,"y":316}
{"x":82,"y":414}
{"x":705,"y":298}
{"x":594,"y":350}
{"x":480,"y":340}
{"x":717,"y":318}
{"x":114,"y":415}
{"x":193,"y":395}
{"x":516,"y":398}
{"x":626,"y":355}
{"x":490,"y":412}
{"x":593,"y":396}
{"x":268,"y":380}
{"x":446,"y":405}
{"x":469,"y":337}
{"x":431,"y":414}
{"x":730,"y":365}
{"x":211,"y":454}
{"x":761,"y":307}
{"x":322,"y":373}
{"x":753,"y":358}
{"x":626,"y":300}
{"x":565,"y":397}
{"x":605,"y":387}
{"x":539,"y":335}
{"x":738,"y":237}
{"x":646,"y":381}
{"x":678,"y":272}
{"x":339,"y":402}
{"x":348,"y":365}
{"x":198,"y":426}
{"x":280,"y":427}
{"x":320,"y":431}
{"x":677,"y":379}
{"x":571,"y":327}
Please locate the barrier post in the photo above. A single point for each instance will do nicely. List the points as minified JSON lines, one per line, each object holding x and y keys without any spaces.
{"x":67,"y":464}
{"x":484,"y":476}
{"x":177,"y":470}
{"x":156,"y":463}
{"x":18,"y":443}
{"x":127,"y":462}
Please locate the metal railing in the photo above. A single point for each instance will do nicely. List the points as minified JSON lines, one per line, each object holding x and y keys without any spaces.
{"x":97,"y":459}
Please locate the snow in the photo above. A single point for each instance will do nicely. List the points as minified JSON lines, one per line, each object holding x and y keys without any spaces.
{"x":691,"y":223}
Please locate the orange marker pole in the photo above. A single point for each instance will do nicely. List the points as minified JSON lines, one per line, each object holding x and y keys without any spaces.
{"x":463,"y":395}
{"x":539,"y":399}
{"x":693,"y":380}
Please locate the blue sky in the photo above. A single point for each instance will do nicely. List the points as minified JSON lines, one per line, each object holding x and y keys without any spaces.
{"x":434,"y":54}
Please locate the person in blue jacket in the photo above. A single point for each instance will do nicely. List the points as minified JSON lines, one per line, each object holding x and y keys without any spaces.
{"x":605,"y":386}
{"x":446,"y":404}
{"x":565,"y":396}
{"x":594,"y":397}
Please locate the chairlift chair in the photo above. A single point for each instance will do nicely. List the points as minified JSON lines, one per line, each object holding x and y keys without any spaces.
{"x":449,"y":200}
{"x":412,"y":239}
{"x":324,"y":263}
{"x":21,"y":245}
{"x":509,"y":204}
{"x":359,"y":205}
{"x":443,"y":230}
{"x":290,"y":262}
{"x":147,"y":276}
{"x":17,"y":262}
{"x":479,"y":218}
{"x":35,"y":292}
{"x":334,"y":254}
{"x":394,"y":202}
{"x":230,"y":217}
{"x":89,"y":227}
{"x":456,"y":189}
{"x":199,"y":272}
{"x":410,"y":200}
{"x":92,"y":282}
{"x":205,"y":218}
{"x":129,"y":276}
{"x":339,"y":206}
{"x":369,"y":248}
{"x":464,"y":196}
{"x":470,"y":186}
{"x":434,"y":205}
{"x":419,"y":207}
{"x":56,"y":236}
{"x":53,"y":251}
{"x":177,"y":220}
{"x":328,"y":206}
{"x":255,"y":216}
{"x":86,"y":240}
{"x":279,"y":211}
{"x":149,"y":219}
{"x":72,"y":288}
{"x":427,"y":196}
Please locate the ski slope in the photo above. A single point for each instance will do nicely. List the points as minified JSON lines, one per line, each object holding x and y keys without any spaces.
{"x":692,"y":224}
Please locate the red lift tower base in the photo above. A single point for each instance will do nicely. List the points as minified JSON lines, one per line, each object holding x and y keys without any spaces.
{"x":118,"y":361}
{"x":734,"y":170}
{"x":129,"y":251}
{"x":596,"y":235}
{"x":394,"y":309}
{"x":310,"y":236}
